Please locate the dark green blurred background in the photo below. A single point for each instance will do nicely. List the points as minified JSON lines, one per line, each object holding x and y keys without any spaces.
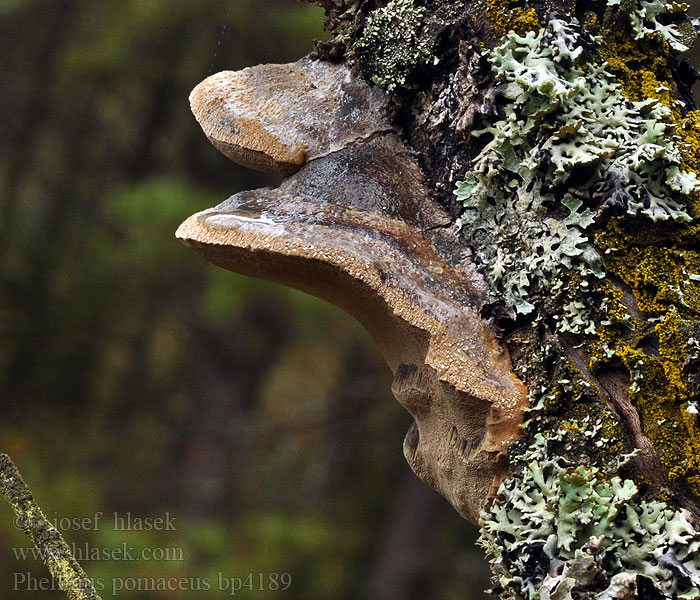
{"x":136,"y":379}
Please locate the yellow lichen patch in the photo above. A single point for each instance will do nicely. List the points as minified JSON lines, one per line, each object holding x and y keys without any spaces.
{"x":659,"y":394}
{"x":615,"y":325}
{"x":612,"y":303}
{"x":689,"y":145}
{"x":663,"y":276}
{"x":640,"y":66}
{"x":505,"y":17}
{"x":673,"y":348}
{"x":641,"y":77}
{"x":590,"y":20}
{"x":656,"y":400}
{"x":692,"y":443}
{"x":690,"y":141}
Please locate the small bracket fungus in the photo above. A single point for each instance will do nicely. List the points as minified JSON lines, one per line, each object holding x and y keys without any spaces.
{"x":267,"y":117}
{"x":356,"y":226}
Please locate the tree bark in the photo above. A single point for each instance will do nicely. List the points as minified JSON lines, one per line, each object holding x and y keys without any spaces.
{"x":518,"y":230}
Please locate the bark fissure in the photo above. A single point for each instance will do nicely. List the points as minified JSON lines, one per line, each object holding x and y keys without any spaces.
{"x":613,"y":387}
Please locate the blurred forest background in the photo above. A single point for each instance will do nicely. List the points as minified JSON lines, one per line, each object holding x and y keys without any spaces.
{"x":136,"y":379}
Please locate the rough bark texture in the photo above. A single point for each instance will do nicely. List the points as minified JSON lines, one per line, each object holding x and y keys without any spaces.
{"x":559,"y":144}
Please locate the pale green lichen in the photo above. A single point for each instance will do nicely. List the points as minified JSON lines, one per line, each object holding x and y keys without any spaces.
{"x":55,"y":552}
{"x":560,"y":117}
{"x":568,"y":145}
{"x":401,"y":51}
{"x":645,"y":22}
{"x":561,"y":531}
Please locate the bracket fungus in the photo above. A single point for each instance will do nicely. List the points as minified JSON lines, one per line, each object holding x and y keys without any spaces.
{"x":275,"y":118}
{"x":356,"y":226}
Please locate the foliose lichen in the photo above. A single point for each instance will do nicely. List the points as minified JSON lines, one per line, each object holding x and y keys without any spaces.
{"x":644,"y":20}
{"x":561,"y":531}
{"x":579,"y":197}
{"x":582,"y":208}
{"x":568,"y":145}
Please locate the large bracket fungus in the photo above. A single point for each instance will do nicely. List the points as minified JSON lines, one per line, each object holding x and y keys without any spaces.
{"x":356,"y":225}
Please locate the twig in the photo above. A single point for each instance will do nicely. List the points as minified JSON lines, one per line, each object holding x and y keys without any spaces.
{"x":52,"y":547}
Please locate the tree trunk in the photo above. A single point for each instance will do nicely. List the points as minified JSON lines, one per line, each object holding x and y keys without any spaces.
{"x":512,"y":211}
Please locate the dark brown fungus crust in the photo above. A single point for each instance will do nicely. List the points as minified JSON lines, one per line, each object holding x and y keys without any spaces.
{"x":357,"y":227}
